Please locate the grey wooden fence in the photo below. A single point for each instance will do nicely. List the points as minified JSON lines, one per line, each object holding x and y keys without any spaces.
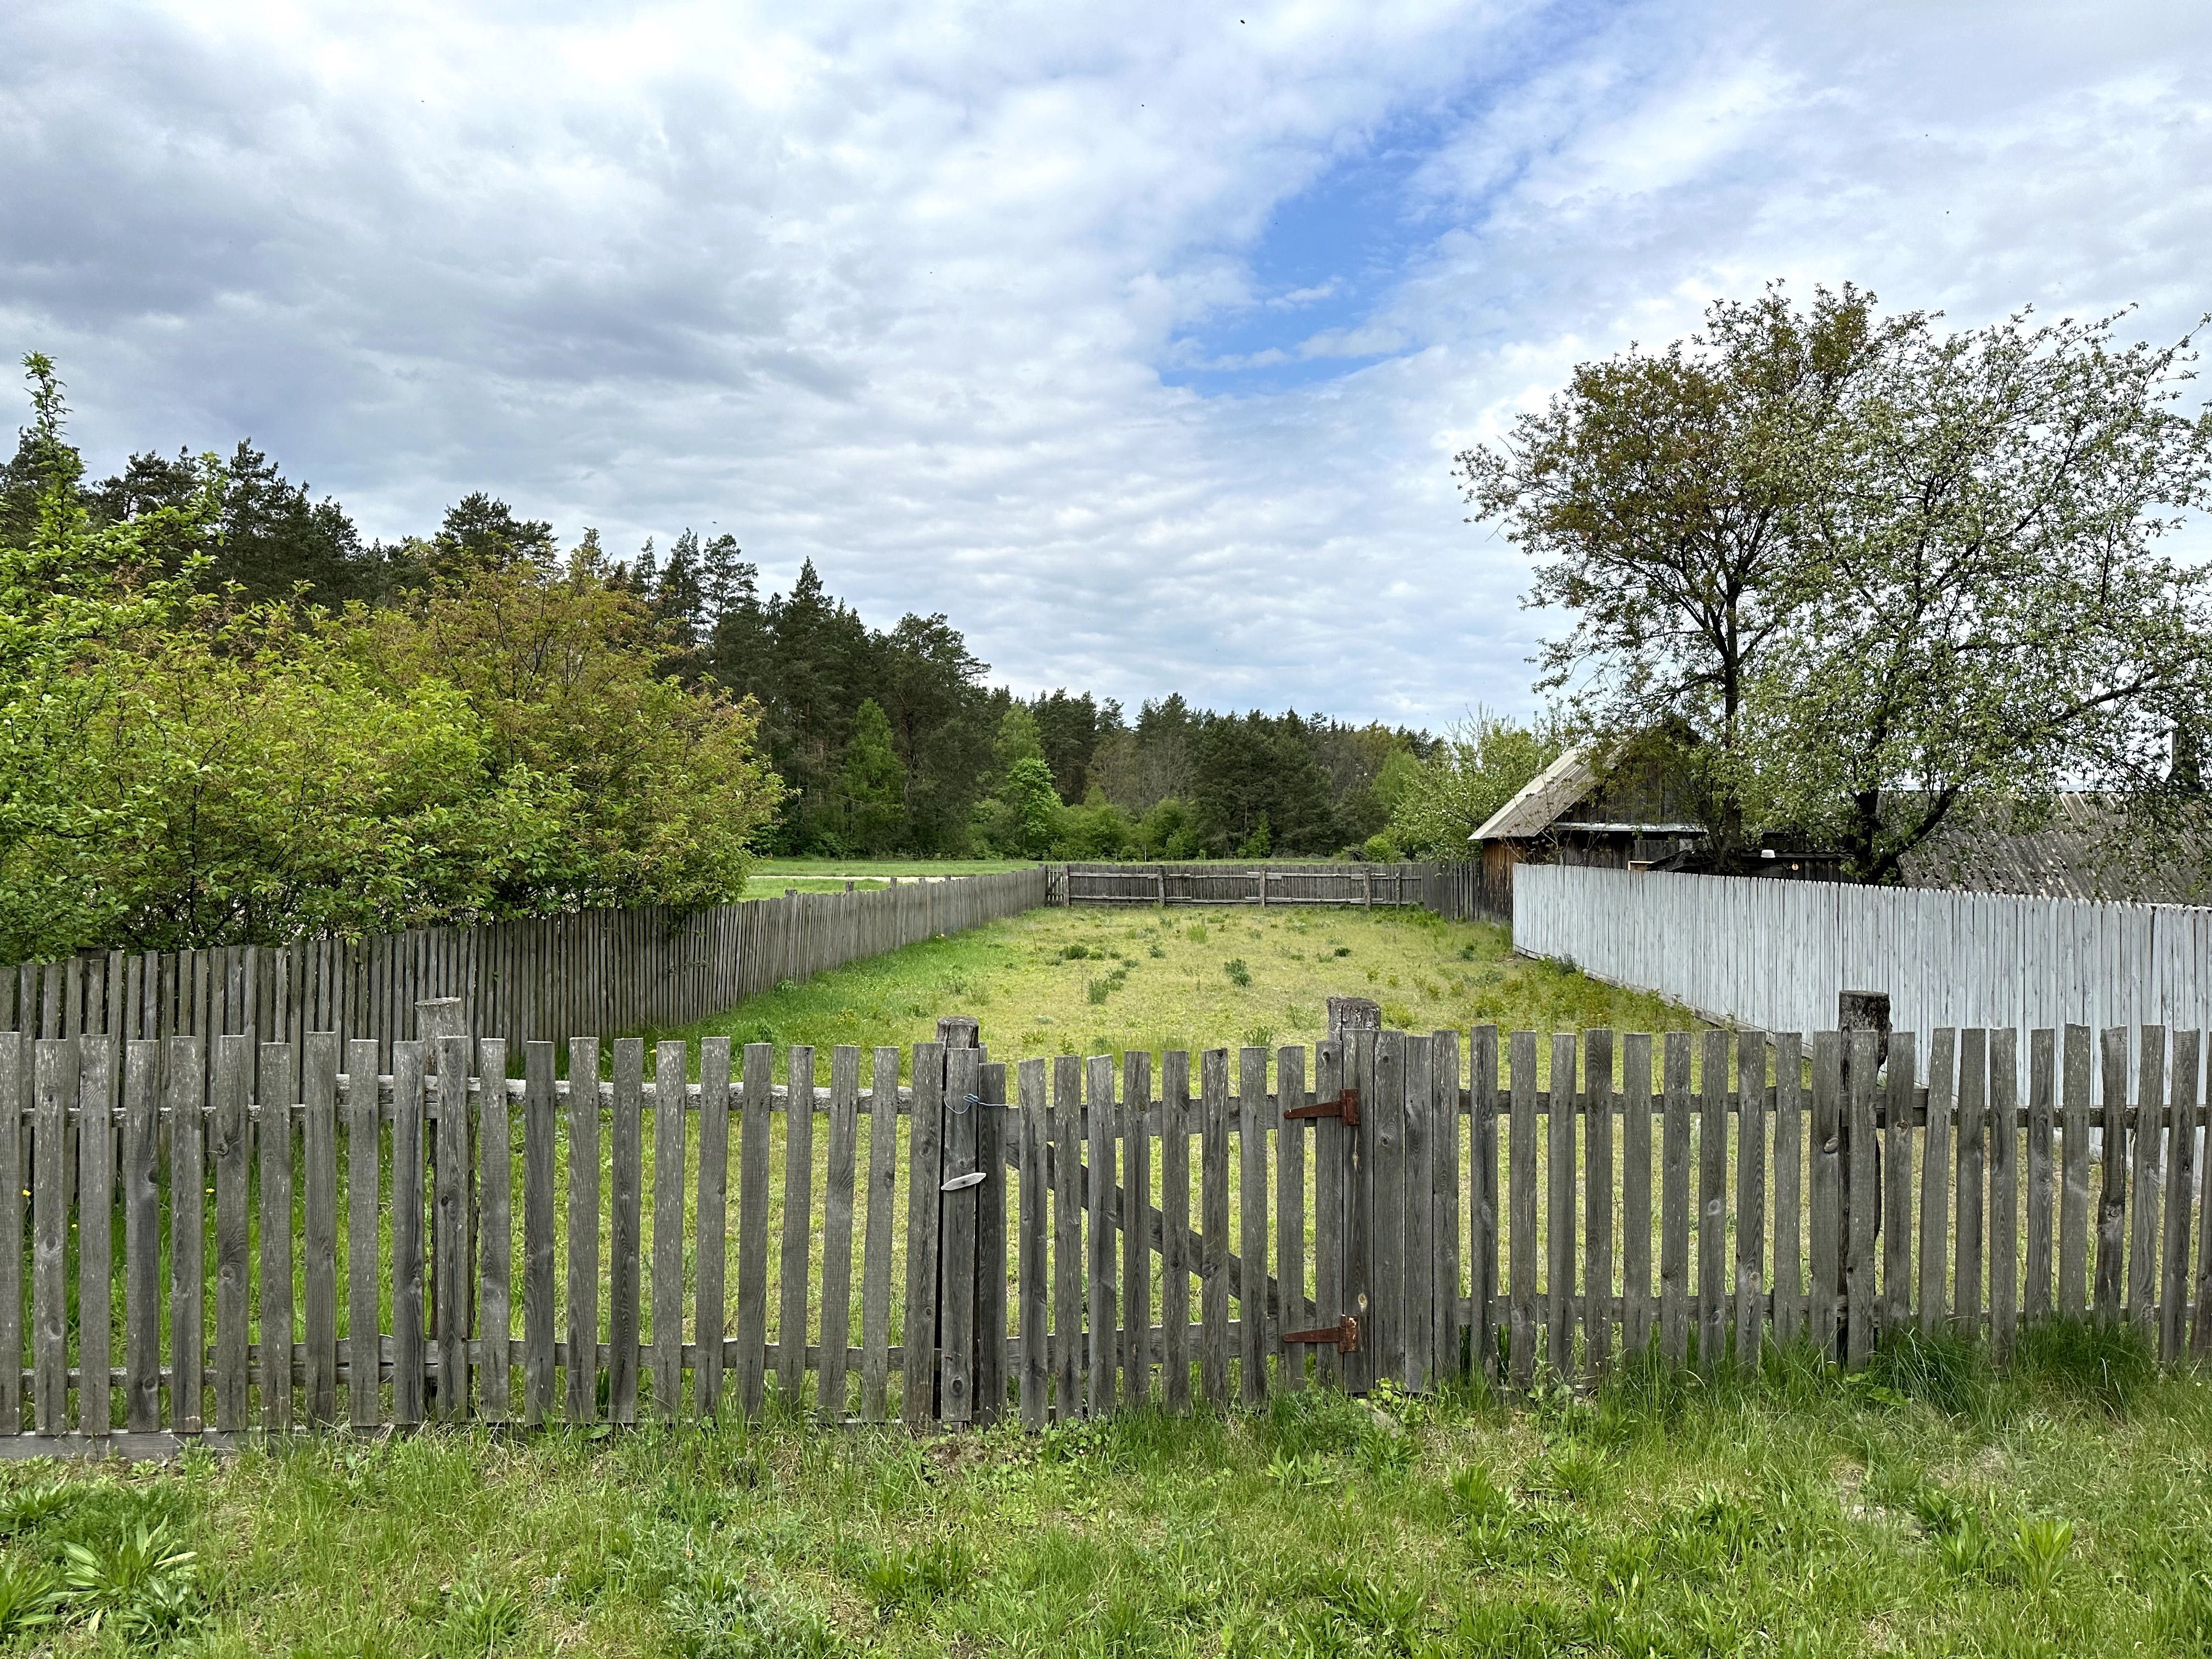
{"x":1775,"y":953}
{"x":593,"y":970}
{"x":940,"y":1250}
{"x":1260,"y":885}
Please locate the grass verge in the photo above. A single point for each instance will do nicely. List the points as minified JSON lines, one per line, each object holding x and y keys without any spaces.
{"x":1799,"y":1513}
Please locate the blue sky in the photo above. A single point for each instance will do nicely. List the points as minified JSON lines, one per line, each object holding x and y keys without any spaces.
{"x":1139,"y":339}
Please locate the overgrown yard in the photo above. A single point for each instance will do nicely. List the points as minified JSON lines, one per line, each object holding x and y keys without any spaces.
{"x":1925,"y":1508}
{"x":1097,"y":981}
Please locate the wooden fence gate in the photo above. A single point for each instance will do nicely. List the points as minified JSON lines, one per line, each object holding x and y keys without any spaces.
{"x":297,"y":1238}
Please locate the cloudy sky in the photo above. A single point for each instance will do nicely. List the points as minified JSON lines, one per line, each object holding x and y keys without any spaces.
{"x":1138,"y":338}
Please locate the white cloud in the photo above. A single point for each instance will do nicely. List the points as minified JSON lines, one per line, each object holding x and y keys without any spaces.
{"x":895,"y":290}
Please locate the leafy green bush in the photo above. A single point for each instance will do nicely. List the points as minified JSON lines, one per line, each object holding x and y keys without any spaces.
{"x":1238,"y":973}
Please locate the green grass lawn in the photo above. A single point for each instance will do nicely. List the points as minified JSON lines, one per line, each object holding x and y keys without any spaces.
{"x":1096,"y":981}
{"x":1926,"y":1508}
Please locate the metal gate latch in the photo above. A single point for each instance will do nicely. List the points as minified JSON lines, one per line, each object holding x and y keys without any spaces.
{"x":1345,"y":1334}
{"x":1346,"y":1106}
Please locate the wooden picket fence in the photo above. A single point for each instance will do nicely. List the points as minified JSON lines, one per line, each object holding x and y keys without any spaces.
{"x":541,"y":977}
{"x":553,"y":1248}
{"x":1260,"y":885}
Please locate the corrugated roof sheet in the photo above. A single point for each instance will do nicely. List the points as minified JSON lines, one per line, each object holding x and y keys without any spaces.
{"x":2087,"y":849}
{"x":1546,"y":795}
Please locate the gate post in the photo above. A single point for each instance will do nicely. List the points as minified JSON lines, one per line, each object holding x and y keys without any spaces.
{"x":958,"y":1210}
{"x":1855,"y":1010}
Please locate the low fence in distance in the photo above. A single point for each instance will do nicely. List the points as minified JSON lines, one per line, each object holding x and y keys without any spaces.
{"x":981,"y":1255}
{"x":1469,"y":892}
{"x":1774,"y":954}
{"x":593,"y":971}
{"x":1262,"y":884}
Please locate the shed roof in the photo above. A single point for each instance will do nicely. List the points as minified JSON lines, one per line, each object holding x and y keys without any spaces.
{"x":1546,"y":795}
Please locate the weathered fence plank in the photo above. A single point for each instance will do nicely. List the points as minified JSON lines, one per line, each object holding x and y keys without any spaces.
{"x":1068,"y":1237}
{"x":1521,"y":1158}
{"x":1291,"y":1213}
{"x":2004,"y":1192}
{"x":836,"y":1232}
{"x":1175,"y":1231}
{"x":1636,"y":1306}
{"x":1136,"y":1207}
{"x":1935,"y":1179}
{"x":142,"y":1239}
{"x":275,"y":1145}
{"x":1598,"y":1189}
{"x":1674,"y":1204}
{"x":1252,"y":1225}
{"x":583,"y":1327}
{"x":1751,"y":1311}
{"x":2180,"y":1174}
{"x":793,"y":1274}
{"x":408,"y":1329}
{"x":1213,"y":1221}
{"x":2074,"y":1192}
{"x":1559,"y":1209}
{"x":883,"y":1201}
{"x":539,"y":1159}
{"x":1789,"y":1271}
{"x":1029,"y":1088}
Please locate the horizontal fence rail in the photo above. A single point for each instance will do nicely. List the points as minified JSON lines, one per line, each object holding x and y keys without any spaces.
{"x":604,"y":970}
{"x":1259,"y":884}
{"x":979,"y":1242}
{"x":1775,"y":954}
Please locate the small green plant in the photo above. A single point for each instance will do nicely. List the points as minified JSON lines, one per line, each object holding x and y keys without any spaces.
{"x":1195,"y":932}
{"x":1474,"y":1495}
{"x":1341,"y":950}
{"x":27,"y":1595}
{"x":714,"y":1615}
{"x":2039,"y":1546}
{"x":1572,"y":1472}
{"x":1238,"y":973}
{"x":1097,"y":990}
{"x":1077,"y":951}
{"x":1967,"y":1551}
{"x":141,"y":1584}
{"x":1387,"y":1614}
{"x":1292,"y":1473}
{"x":1385,"y":1451}
{"x":480,"y":1618}
{"x":1156,"y":951}
{"x":34,"y":1506}
{"x":898,"y":1578}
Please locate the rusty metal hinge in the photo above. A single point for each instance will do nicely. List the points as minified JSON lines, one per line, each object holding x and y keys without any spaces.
{"x":1346,"y":1106}
{"x":1345,"y":1334}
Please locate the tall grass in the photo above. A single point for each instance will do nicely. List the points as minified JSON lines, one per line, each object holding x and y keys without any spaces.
{"x":1930,"y":1504}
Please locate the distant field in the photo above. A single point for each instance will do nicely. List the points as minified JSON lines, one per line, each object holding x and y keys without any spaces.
{"x":776,"y":885}
{"x":858,"y":867}
{"x":1104,"y":981}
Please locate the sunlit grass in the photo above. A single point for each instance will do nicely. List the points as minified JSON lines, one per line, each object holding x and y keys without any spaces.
{"x":1802,"y":1513}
